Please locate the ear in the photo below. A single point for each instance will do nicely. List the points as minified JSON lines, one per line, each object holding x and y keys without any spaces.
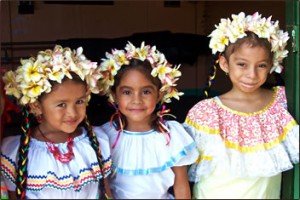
{"x":223,"y":64}
{"x":36,"y":108}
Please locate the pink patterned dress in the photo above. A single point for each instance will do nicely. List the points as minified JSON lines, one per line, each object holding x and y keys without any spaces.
{"x":242,"y":155}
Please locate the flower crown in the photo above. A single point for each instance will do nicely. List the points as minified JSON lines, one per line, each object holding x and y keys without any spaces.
{"x":161,"y":69}
{"x":229,"y":31}
{"x":31,"y":79}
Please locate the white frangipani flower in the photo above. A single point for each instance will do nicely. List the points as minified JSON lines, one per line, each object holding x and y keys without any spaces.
{"x":31,"y":79}
{"x":161,"y":69}
{"x":230,"y":30}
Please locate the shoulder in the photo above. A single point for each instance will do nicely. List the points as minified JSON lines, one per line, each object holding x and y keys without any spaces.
{"x":177,"y":130}
{"x":9,"y":143}
{"x":202,"y":109}
{"x":280,"y":92}
{"x":100,"y":132}
{"x":9,"y":150}
{"x":174,"y":125}
{"x":105,"y":127}
{"x":280,"y":96}
{"x":201,"y":105}
{"x":108,"y":130}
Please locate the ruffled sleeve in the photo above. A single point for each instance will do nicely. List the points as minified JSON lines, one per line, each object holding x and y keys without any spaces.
{"x":182,"y":144}
{"x":105,"y":150}
{"x":9,"y":151}
{"x":281,"y":96}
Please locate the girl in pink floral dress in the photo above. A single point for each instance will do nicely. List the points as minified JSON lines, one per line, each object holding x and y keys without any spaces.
{"x":246,"y":137}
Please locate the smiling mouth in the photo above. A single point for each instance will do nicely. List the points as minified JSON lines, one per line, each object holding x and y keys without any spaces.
{"x":137,"y":109}
{"x":249,"y":84}
{"x":71,"y":122}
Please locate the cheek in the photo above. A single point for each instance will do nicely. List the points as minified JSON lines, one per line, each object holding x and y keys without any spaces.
{"x":265,"y":76}
{"x":122,"y":106}
{"x":82,"y":109}
{"x":152,"y":104}
{"x":52,"y":116}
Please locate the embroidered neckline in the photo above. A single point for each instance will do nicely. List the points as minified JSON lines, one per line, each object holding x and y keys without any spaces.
{"x":275,"y":95}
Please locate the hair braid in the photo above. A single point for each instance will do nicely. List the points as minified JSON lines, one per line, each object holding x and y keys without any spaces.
{"x":211,"y":76}
{"x":96,"y":146}
{"x":21,"y":179}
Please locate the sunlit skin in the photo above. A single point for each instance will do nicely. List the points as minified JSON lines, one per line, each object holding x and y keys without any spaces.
{"x":248,"y":69}
{"x":137,"y":97}
{"x":63,"y":109}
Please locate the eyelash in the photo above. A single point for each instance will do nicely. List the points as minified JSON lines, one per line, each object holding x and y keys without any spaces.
{"x":81,"y":101}
{"x":63,"y":105}
{"x":260,"y":66}
{"x":263,"y":66}
{"x":127,"y":92}
{"x":147,"y":92}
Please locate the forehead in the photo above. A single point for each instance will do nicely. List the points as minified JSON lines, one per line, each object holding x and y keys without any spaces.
{"x":66,"y":90}
{"x":135,"y":78}
{"x":249,"y":50}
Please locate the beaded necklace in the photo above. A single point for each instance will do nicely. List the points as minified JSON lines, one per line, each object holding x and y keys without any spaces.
{"x":64,"y":158}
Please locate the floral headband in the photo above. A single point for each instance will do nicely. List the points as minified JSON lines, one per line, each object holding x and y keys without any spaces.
{"x":228,"y":31}
{"x":161,"y":69}
{"x":31,"y":79}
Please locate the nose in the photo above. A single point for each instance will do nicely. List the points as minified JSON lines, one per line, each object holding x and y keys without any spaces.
{"x":137,"y":98}
{"x":251,"y":72}
{"x":71,"y":111}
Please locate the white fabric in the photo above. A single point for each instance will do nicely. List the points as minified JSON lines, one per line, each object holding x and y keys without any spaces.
{"x":49,"y":178}
{"x":220,"y":184}
{"x":142,"y":161}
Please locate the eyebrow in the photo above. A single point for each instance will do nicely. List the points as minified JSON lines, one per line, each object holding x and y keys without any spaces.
{"x":144,"y":87}
{"x":64,"y":100}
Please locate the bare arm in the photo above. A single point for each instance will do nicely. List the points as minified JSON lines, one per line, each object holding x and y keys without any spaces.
{"x":181,"y":184}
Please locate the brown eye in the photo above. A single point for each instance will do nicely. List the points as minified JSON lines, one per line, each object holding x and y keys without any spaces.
{"x":81,"y":101}
{"x":126,"y":92}
{"x":146,"y":92}
{"x":262,"y":65}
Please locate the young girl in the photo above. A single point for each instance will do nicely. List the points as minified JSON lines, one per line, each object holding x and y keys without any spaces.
{"x":246,"y":137}
{"x":56,"y":158}
{"x":149,"y":154}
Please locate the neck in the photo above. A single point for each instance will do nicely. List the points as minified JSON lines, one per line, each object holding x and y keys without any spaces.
{"x":138,"y":128}
{"x":43,"y":134}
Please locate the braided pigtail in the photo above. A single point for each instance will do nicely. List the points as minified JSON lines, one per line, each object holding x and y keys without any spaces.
{"x":21,"y":179}
{"x":211,"y":76}
{"x":96,"y":146}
